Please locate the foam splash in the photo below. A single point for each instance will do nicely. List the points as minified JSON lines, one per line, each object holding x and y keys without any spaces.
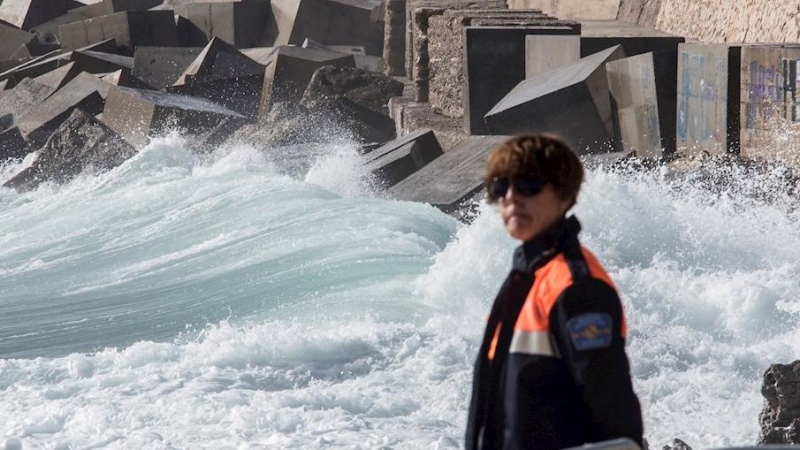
{"x":229,"y":302}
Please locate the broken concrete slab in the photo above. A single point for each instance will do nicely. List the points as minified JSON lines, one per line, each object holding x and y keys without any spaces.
{"x":26,"y":14}
{"x":85,"y":91}
{"x":494,"y":64}
{"x":330,"y":22}
{"x":452,"y":178}
{"x":219,"y":60}
{"x":572,"y":102}
{"x":364,"y":88}
{"x":544,"y":53}
{"x":240,"y":24}
{"x":139,"y":114}
{"x":11,"y":39}
{"x":26,"y":95}
{"x":129,"y":29}
{"x":12,"y":145}
{"x":162,"y":66}
{"x":395,"y":161}
{"x":632,"y":84}
{"x":286,"y":78}
{"x":81,"y":142}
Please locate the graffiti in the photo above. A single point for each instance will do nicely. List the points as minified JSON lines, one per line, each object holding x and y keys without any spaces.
{"x":699,"y":97}
{"x":765,"y":91}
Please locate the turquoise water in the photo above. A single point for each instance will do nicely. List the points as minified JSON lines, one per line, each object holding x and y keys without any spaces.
{"x":245,"y":300}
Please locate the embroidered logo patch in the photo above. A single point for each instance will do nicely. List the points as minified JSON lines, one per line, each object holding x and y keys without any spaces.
{"x":590,"y":331}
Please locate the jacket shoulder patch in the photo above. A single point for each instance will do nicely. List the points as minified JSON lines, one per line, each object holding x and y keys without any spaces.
{"x":590,"y":331}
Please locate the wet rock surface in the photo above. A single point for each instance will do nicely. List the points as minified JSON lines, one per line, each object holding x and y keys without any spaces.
{"x":780,"y":418}
{"x":366,"y":89}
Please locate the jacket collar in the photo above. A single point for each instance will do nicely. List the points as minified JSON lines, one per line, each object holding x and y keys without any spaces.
{"x":546,"y":244}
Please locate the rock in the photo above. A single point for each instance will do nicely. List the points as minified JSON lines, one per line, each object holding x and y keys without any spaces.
{"x":780,"y":418}
{"x":367,"y":89}
{"x":677,"y":444}
{"x":79,"y":143}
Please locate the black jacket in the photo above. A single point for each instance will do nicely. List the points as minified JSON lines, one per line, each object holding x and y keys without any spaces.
{"x":557,"y":376}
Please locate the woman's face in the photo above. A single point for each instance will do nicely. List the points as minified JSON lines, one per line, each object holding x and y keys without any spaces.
{"x":526,"y":216}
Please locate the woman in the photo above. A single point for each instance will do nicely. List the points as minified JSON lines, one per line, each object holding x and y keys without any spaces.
{"x":552,"y":371}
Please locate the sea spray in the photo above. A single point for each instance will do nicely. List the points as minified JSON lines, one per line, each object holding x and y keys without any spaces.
{"x":259,"y":299}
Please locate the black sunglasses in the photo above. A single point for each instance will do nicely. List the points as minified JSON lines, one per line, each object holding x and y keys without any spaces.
{"x":527,"y":186}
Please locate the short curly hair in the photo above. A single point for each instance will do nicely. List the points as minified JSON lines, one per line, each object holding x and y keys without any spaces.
{"x":543,"y":155}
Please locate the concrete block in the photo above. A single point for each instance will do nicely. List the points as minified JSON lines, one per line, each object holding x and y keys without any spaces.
{"x":162,"y":66}
{"x":47,"y":63}
{"x":26,"y":14}
{"x":26,"y":95}
{"x":572,"y":9}
{"x":138,"y":114}
{"x":11,"y":39}
{"x":12,"y":145}
{"x":494,"y":64}
{"x":637,"y":40}
{"x":48,"y":31}
{"x":394,"y":38}
{"x":240,"y":24}
{"x":130,"y":29}
{"x":330,"y":22}
{"x":59,"y":77}
{"x":544,"y":53}
{"x":572,"y":102}
{"x":708,"y":110}
{"x":363,"y":61}
{"x":85,"y":91}
{"x":81,"y":142}
{"x":241,"y":93}
{"x":632,"y":83}
{"x":219,"y":60}
{"x":286,"y":78}
{"x":100,"y":62}
{"x":396,"y":160}
{"x":261,"y":55}
{"x":452,"y":178}
{"x":125,"y":79}
{"x":768,"y":97}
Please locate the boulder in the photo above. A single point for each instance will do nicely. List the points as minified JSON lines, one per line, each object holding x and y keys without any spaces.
{"x":79,"y":143}
{"x":780,"y":418}
{"x":367,"y":89}
{"x":677,"y":444}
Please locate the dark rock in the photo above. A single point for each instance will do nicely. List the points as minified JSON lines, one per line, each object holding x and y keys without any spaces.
{"x":79,"y":143}
{"x":780,"y":418}
{"x":677,"y":444}
{"x":367,"y":89}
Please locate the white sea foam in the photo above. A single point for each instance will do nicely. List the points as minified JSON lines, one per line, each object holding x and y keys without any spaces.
{"x":184,"y":302}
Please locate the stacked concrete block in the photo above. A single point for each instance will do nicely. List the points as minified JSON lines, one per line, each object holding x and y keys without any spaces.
{"x":445,"y":83}
{"x":129,"y":29}
{"x":451,"y":179}
{"x":572,"y":102}
{"x":139,"y":114}
{"x":162,"y":66}
{"x":85,"y":91}
{"x":572,"y":9}
{"x":494,"y":64}
{"x":241,"y":24}
{"x":330,"y":22}
{"x":395,"y":161}
{"x":394,"y":38}
{"x":637,"y":40}
{"x":286,"y":78}
{"x":632,"y":83}
{"x":26,"y":14}
{"x":544,"y":53}
{"x":217,"y":61}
